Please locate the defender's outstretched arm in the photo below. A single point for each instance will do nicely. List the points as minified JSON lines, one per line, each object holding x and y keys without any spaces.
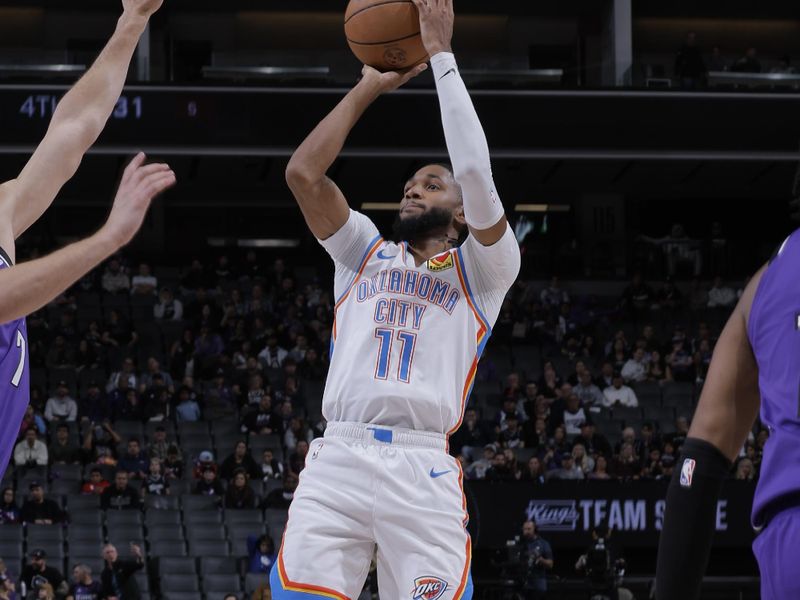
{"x":76,"y":124}
{"x":321,"y":201}
{"x":29,"y":286}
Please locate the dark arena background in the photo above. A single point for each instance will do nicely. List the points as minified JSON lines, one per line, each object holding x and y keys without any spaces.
{"x":646,"y":176}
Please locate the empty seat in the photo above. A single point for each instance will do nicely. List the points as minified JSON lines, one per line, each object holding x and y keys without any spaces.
{"x":238,"y":547}
{"x":123,"y":517}
{"x":129,"y":429}
{"x":155,"y":518}
{"x":192,"y":427}
{"x":165,"y":531}
{"x":82,"y":533}
{"x":143,"y":580}
{"x":10,"y":549}
{"x":208,"y":548}
{"x":222,"y":583}
{"x":159,"y":503}
{"x":44,"y":533}
{"x":12,"y":533}
{"x":65,"y":486}
{"x":193,"y":502}
{"x":86,"y":517}
{"x":125,"y":533}
{"x":177,"y":565}
{"x":253,"y":581}
{"x":225,"y":427}
{"x":208,"y":531}
{"x":625,"y":413}
{"x":66,"y":472}
{"x":85,"y":547}
{"x":249,"y":516}
{"x":201,"y":517}
{"x":242,"y":530}
{"x":178,"y":583}
{"x":659,"y":413}
{"x":53,"y":548}
{"x":276,"y":521}
{"x":214,"y":565}
{"x":167,"y":548}
{"x":180,"y":596}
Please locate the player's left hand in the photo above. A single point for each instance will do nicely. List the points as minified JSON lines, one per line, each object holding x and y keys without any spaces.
{"x":390,"y":80}
{"x":436,"y":24}
{"x":142,"y":8}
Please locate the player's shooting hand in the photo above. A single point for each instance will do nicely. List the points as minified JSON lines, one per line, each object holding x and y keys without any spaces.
{"x":140,"y":184}
{"x":436,"y":24}
{"x":389,"y":81}
{"x":141,"y":8}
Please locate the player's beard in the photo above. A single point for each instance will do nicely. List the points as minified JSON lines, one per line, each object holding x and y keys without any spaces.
{"x":417,"y":226}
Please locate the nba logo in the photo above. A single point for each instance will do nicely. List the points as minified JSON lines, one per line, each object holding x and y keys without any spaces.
{"x":428,"y":588}
{"x":687,"y":470}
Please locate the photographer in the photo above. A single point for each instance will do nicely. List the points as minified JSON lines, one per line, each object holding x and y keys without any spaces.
{"x":602,"y":568}
{"x":533,"y":557}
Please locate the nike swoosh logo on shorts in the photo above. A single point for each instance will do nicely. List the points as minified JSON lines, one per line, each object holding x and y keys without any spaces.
{"x":435,"y":474}
{"x":382,"y":256}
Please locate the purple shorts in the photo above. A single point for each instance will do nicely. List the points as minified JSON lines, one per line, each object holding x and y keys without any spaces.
{"x":777,"y":548}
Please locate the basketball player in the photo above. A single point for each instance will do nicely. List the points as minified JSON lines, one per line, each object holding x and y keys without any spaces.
{"x":411,"y":321}
{"x":756,"y":361}
{"x":24,"y":288}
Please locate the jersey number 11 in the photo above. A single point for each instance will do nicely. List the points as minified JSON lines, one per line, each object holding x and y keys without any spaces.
{"x":407,"y":340}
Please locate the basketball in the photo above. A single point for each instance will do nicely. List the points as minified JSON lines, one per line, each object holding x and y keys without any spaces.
{"x":384,"y":34}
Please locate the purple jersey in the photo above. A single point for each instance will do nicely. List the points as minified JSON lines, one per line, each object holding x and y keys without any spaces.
{"x":774,"y":331}
{"x":14,"y":379}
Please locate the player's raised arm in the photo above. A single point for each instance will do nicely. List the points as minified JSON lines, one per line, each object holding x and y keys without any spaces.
{"x":28,"y":286}
{"x":466,"y":141}
{"x":322,"y":203}
{"x":725,"y":414}
{"x":76,"y":124}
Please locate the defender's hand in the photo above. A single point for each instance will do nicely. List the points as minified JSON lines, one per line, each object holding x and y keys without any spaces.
{"x":141,"y":8}
{"x":382,"y":83}
{"x":140,"y":184}
{"x":436,"y":24}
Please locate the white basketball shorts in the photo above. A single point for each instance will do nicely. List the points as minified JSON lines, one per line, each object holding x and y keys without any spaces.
{"x":368,"y":486}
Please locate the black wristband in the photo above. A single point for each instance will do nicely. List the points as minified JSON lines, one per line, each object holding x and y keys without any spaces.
{"x":689,"y":520}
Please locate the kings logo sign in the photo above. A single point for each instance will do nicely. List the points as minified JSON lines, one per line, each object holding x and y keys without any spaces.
{"x":428,"y":588}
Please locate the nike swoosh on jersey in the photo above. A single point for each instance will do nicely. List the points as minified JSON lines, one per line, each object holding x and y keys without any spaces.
{"x":382,"y":256}
{"x":435,"y":474}
{"x":446,"y":74}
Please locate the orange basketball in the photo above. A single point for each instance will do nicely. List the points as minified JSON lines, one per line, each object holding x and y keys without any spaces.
{"x":384,"y":33}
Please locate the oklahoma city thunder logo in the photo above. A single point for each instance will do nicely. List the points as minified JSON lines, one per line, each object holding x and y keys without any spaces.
{"x":428,"y":588}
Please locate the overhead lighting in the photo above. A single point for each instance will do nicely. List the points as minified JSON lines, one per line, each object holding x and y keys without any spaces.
{"x":380,"y":206}
{"x":253,"y":243}
{"x":541,"y":208}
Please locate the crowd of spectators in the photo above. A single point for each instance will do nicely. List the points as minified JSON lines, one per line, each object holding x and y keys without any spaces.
{"x":570,"y":387}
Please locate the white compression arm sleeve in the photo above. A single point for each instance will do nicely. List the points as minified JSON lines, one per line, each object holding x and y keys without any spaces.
{"x":466,"y":144}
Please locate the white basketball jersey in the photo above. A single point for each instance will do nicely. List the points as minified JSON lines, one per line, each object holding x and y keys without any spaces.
{"x":407,"y":339}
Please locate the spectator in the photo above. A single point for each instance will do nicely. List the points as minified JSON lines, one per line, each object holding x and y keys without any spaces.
{"x":7,"y":589}
{"x":272,"y":356}
{"x":208,"y":484}
{"x":784,"y":66}
{"x":595,"y":443}
{"x":32,"y":419}
{"x":680,"y":360}
{"x":168,"y":308}
{"x":9,"y":511}
{"x":626,"y":465}
{"x":535,"y":559}
{"x":205,"y":460}
{"x":159,"y":445}
{"x":721,"y":296}
{"x":652,"y":466}
{"x":155,"y":484}
{"x":94,"y":406}
{"x":745,"y":470}
{"x":37,"y":573}
{"x":99,"y":443}
{"x":188,"y":409}
{"x":568,"y":469}
{"x":619,"y":394}
{"x":135,"y":462}
{"x":271,"y":468}
{"x":261,"y":420}
{"x":748,"y":63}
{"x":638,"y":297}
{"x":600,"y":469}
{"x":690,"y":68}
{"x":118,"y":575}
{"x":115,"y":280}
{"x":282,"y":498}
{"x":589,"y":394}
{"x":96,"y":484}
{"x":63,"y":450}
{"x":61,"y":407}
{"x":83,"y":586}
{"x":657,"y":369}
{"x":240,"y":458}
{"x":44,"y":591}
{"x":145,"y":283}
{"x":173,"y":465}
{"x":572,"y":416}
{"x":239,"y":495}
{"x":60,"y":355}
{"x":500,"y":470}
{"x":635,"y":369}
{"x":554,"y":296}
{"x":717,"y":61}
{"x":127,"y":372}
{"x":511,"y":436}
{"x":150,"y":377}
{"x":30,"y":452}
{"x":296,"y":432}
{"x":534,"y":472}
{"x":121,"y":495}
{"x":261,"y":553}
{"x":582,"y":460}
